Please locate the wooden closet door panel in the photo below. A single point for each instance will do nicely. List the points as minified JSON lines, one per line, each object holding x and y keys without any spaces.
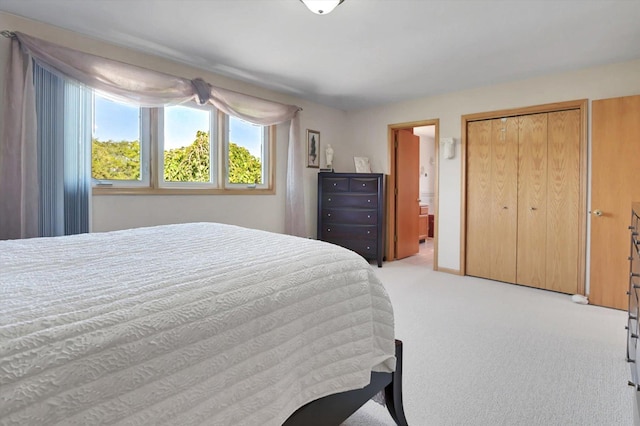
{"x":563,"y":201}
{"x":504,"y":198}
{"x":478,"y":198}
{"x":532,"y":200}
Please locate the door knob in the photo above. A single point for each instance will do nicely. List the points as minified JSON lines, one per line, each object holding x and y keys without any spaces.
{"x":597,"y":212}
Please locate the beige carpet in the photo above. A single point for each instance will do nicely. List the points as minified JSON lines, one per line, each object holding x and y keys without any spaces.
{"x":478,"y":352}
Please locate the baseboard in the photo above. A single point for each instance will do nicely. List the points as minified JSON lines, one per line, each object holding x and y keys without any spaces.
{"x":448,"y":271}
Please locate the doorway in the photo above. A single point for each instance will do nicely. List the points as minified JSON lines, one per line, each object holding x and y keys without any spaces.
{"x":425,"y":210}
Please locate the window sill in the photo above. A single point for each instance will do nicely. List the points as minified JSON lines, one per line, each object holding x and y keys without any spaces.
{"x":181,"y":191}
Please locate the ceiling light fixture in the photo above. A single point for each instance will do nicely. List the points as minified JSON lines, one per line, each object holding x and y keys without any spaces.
{"x":321,"y":7}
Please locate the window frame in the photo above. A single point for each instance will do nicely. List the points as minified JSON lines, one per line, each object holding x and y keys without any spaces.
{"x":265,"y":157}
{"x":151,"y":146}
{"x":145,"y":138}
{"x":213,"y":150}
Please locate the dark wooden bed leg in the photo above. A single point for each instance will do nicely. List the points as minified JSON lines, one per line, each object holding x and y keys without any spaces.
{"x":393,"y":391}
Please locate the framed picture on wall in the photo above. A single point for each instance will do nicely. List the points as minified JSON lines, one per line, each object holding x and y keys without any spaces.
{"x":313,"y":148}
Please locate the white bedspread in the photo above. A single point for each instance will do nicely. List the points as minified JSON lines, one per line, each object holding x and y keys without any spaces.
{"x":184,"y":324}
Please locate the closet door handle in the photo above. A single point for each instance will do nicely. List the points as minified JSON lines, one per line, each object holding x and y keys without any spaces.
{"x":533,"y":208}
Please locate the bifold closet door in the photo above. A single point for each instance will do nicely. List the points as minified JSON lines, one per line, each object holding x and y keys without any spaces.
{"x":479,"y":238}
{"x":523,"y":200}
{"x":563,"y":202}
{"x":492,"y":159}
{"x":532,"y":200}
{"x":548,"y":201}
{"x":504,"y":198}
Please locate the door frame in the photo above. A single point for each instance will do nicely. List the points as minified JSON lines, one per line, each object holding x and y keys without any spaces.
{"x":391,"y":184}
{"x":580,"y":104}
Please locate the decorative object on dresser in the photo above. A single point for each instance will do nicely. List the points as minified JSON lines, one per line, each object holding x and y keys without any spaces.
{"x":329,"y":157}
{"x":350,"y":212}
{"x":362,"y":164}
{"x":634,"y":284}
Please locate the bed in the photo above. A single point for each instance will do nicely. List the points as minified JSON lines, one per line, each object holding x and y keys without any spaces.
{"x":198,"y":323}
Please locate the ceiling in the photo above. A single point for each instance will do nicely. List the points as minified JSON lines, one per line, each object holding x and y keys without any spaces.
{"x":366,"y":52}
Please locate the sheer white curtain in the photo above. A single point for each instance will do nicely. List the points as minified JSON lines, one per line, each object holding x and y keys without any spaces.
{"x":19,"y":190}
{"x":128,"y":83}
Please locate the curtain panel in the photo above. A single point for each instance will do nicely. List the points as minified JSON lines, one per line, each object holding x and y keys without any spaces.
{"x":147,"y":88}
{"x":19,"y":189}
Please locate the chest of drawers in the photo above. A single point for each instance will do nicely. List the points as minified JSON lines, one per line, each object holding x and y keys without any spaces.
{"x":350,"y":212}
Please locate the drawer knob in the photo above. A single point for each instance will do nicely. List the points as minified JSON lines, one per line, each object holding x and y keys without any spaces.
{"x":368,"y":248}
{"x":364,"y":184}
{"x":368,"y":232}
{"x":329,"y":199}
{"x":335,"y":184}
{"x":328,"y":214}
{"x":368,"y":201}
{"x":328,"y":229}
{"x":368,"y":216}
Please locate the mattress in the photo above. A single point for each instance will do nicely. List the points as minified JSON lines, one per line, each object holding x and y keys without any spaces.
{"x":184,"y":324}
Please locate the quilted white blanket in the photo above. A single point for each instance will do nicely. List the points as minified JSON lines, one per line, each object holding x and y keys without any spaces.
{"x":184,"y":324}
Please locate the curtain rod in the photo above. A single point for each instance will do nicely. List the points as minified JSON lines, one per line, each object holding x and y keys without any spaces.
{"x":7,"y":34}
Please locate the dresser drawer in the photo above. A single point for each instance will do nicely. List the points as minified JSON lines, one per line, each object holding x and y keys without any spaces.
{"x":350,"y":200}
{"x":632,"y":346}
{"x":347,"y":215}
{"x":367,"y":249}
{"x":635,"y":262}
{"x":634,"y":288}
{"x":335,"y":184}
{"x":363,"y":185}
{"x":353,"y":232}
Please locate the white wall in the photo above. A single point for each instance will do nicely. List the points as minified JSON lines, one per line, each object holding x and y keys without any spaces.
{"x":368,"y":127}
{"x":257,"y":211}
{"x":427,"y":170}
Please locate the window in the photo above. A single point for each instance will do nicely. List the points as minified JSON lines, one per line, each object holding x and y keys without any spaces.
{"x":188,"y":150}
{"x":119,"y":146}
{"x":246,"y":153}
{"x":194,"y":148}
